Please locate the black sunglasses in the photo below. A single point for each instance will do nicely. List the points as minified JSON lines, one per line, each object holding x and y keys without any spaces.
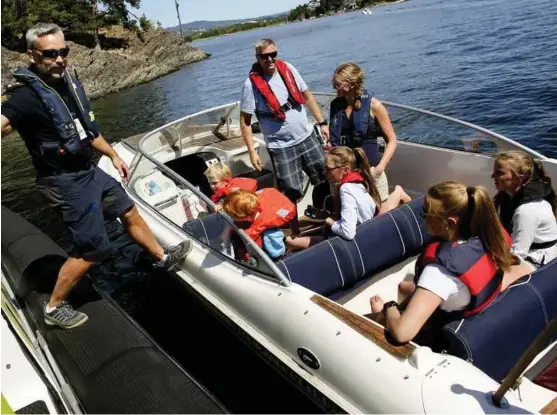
{"x":54,"y":53}
{"x":271,"y":55}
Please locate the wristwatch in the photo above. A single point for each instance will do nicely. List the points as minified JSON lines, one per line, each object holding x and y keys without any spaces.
{"x":388,"y":305}
{"x":322,"y":123}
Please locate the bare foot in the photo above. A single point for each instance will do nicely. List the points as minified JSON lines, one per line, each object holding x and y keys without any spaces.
{"x":376,"y":303}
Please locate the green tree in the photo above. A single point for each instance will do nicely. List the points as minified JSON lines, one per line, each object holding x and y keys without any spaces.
{"x":145,"y":24}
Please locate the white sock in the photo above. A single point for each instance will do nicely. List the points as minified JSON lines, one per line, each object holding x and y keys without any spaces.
{"x":50,"y":309}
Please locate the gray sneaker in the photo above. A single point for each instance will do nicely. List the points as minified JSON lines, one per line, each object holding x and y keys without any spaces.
{"x":174,"y":254}
{"x":65,"y":316}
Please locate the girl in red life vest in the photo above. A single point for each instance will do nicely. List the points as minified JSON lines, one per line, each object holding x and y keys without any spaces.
{"x":360,"y":201}
{"x":221,"y":181}
{"x":462,"y":274}
{"x":257,"y":213}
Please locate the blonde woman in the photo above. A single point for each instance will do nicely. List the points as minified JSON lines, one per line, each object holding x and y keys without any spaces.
{"x":527,"y":207}
{"x":357,"y":119}
{"x":447,"y":281}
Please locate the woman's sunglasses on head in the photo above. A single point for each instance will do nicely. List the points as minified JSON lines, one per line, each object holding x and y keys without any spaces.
{"x":54,"y":53}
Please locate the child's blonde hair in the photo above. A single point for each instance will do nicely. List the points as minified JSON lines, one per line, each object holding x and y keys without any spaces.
{"x":241,"y":203}
{"x":218,"y":172}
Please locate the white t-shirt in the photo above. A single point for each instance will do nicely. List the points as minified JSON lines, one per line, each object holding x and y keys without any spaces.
{"x":454,"y":294}
{"x":356,"y":206}
{"x":534,"y":222}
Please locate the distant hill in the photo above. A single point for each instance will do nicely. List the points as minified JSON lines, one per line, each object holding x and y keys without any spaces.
{"x":212,"y":24}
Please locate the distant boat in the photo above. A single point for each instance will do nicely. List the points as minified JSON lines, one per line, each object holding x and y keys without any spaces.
{"x":367,"y":11}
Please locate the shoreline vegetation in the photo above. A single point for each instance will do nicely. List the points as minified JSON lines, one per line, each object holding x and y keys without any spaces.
{"x":111,"y":48}
{"x":298,"y":14}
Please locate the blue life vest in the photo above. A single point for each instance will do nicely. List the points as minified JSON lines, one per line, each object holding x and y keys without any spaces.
{"x":69,"y":139}
{"x":360,"y":122}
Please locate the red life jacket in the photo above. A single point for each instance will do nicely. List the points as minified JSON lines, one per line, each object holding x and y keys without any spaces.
{"x":473,"y":266}
{"x":232,"y":184}
{"x":275,"y":210}
{"x":275,"y":108}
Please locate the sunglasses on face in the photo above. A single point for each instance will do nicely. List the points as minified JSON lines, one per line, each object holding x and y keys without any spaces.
{"x":337,"y":85}
{"x":330,"y":169}
{"x":54,"y":53}
{"x":265,"y":56}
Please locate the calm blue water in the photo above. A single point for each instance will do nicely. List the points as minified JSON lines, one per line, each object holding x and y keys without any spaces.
{"x":489,"y":62}
{"x":492,"y":63}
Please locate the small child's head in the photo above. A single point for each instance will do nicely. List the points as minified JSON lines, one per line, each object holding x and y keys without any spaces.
{"x":217,"y":174}
{"x":241,"y":205}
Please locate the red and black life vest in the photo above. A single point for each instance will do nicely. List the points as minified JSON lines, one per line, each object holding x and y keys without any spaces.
{"x":276,"y":110}
{"x":232,"y":184}
{"x":473,"y":266}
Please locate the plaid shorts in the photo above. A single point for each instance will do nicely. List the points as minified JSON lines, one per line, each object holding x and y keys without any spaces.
{"x":290,"y":163}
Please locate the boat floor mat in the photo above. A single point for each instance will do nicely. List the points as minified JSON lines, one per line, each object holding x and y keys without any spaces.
{"x":110,"y":362}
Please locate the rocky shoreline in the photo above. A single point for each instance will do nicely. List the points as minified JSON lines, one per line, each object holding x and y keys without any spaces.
{"x":140,"y":60}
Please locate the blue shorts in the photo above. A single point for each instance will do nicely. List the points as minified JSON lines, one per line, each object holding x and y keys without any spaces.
{"x":85,"y":200}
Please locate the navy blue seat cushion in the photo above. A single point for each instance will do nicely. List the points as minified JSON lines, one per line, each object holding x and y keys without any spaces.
{"x":494,"y":339}
{"x":337,"y":265}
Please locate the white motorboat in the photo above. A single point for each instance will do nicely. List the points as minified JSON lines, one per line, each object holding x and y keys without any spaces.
{"x":304,"y":313}
{"x":367,"y":11}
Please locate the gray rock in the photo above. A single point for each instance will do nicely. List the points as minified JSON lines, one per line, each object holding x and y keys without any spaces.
{"x":102,"y":72}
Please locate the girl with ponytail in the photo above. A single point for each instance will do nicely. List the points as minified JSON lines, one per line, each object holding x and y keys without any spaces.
{"x":527,"y":206}
{"x":462,"y":274}
{"x":359,"y":198}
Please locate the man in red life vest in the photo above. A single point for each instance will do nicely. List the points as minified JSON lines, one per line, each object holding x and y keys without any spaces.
{"x":277,"y":95}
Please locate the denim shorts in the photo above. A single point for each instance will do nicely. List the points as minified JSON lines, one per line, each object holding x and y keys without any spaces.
{"x":85,"y":199}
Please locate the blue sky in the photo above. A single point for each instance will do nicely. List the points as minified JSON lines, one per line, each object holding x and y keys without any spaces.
{"x":191,"y":10}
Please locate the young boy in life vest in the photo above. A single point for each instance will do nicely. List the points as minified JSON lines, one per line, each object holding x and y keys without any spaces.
{"x":222,"y":183}
{"x":260,"y":214}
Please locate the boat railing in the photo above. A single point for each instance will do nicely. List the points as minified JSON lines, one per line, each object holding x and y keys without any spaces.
{"x":425,"y":127}
{"x":219,"y":126}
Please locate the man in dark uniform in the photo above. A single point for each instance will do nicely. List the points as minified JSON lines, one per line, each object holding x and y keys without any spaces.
{"x":49,"y":109}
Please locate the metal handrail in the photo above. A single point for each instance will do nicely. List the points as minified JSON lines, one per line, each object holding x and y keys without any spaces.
{"x":456,"y":121}
{"x":268,"y":261}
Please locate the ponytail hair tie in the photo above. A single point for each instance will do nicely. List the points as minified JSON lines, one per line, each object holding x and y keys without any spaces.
{"x":470,"y":190}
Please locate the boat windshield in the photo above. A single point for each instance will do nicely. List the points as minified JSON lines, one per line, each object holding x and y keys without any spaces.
{"x":167,"y":174}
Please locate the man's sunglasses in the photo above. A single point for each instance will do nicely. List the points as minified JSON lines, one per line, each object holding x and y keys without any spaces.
{"x":265,"y":56}
{"x":54,"y":53}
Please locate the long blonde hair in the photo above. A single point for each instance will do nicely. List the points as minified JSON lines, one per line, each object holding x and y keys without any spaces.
{"x":476,"y":215}
{"x":524,"y":166}
{"x":355,"y":75}
{"x":355,"y":160}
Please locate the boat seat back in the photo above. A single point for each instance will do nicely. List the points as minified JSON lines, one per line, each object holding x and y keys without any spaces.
{"x":494,"y":339}
{"x":336,"y":264}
